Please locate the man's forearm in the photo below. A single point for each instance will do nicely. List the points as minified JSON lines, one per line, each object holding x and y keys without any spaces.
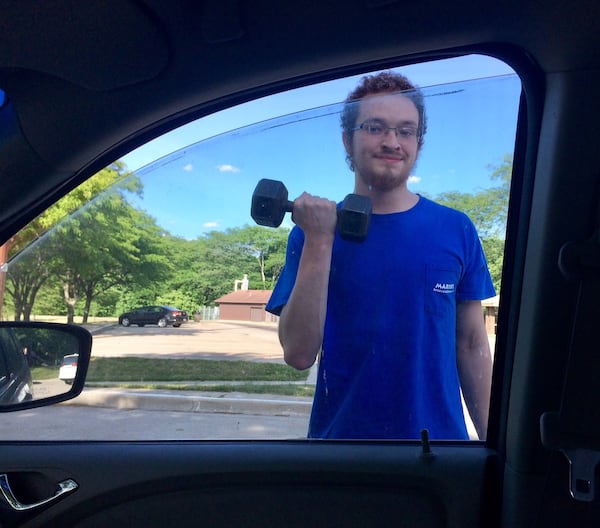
{"x":474,"y":363}
{"x":303,"y":318}
{"x":476,"y":381}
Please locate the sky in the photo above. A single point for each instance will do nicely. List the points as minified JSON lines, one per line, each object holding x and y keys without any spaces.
{"x":200,"y":177}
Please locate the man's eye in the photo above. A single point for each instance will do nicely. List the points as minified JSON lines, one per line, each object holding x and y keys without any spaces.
{"x":407,"y":132}
{"x":375,"y":129}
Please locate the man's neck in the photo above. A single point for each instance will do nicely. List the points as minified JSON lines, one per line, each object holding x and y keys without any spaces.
{"x":386,"y":202}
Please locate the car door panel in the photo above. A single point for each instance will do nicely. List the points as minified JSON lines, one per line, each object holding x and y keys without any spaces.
{"x":77,"y":93}
{"x":251,"y":484}
{"x":146,"y":316}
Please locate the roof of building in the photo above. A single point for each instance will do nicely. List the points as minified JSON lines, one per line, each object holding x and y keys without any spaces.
{"x":493,"y":301}
{"x":246,"y":297}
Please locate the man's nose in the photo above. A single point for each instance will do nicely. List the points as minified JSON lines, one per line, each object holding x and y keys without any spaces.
{"x":391,"y":138}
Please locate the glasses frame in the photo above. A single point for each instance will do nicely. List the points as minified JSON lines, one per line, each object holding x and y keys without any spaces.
{"x":416,"y":133}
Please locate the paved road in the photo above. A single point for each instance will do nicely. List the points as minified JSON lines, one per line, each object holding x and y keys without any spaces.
{"x":71,"y":422}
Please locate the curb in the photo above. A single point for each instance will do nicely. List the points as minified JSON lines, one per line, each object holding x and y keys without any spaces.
{"x":233,"y":403}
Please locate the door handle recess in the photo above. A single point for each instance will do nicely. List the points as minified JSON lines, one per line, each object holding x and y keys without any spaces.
{"x":64,"y":487}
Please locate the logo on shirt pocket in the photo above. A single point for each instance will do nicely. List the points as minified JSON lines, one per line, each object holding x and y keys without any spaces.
{"x":440,"y":290}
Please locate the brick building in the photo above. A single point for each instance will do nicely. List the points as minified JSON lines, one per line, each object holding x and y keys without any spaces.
{"x":245,"y":305}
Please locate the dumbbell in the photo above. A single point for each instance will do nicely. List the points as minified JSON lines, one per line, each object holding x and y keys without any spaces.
{"x":270,"y":203}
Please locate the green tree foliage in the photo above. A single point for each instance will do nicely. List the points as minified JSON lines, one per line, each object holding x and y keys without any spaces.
{"x":209,"y":267}
{"x":115,"y":174}
{"x":494,"y":253}
{"x":106,"y":243}
{"x":182,"y":287}
{"x":267,"y":246}
{"x":30,"y":270}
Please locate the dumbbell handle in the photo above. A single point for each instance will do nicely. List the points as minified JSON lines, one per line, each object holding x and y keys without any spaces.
{"x":289,"y":208}
{"x":270,"y":203}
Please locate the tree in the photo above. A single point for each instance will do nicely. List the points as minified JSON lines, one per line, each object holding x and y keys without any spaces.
{"x":25,"y":278}
{"x":221,"y":260}
{"x":108,"y":244}
{"x":208,"y":267}
{"x":267,"y":246}
{"x":494,"y":252}
{"x":50,"y":234}
{"x":111,"y":176}
{"x":25,"y":292}
{"x":487,"y":208}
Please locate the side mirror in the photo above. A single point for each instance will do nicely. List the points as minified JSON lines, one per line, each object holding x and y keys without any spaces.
{"x":41,"y":363}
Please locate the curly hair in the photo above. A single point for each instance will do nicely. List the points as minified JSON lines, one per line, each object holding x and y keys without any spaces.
{"x":383,"y":82}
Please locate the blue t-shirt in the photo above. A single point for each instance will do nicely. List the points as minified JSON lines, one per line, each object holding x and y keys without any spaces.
{"x":388,"y":361}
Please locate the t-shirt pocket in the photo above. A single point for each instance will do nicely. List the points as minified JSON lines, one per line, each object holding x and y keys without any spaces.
{"x":440,"y":289}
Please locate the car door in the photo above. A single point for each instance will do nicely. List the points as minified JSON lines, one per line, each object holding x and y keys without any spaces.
{"x":116,"y":459}
{"x":136,"y":316}
{"x":116,"y":416}
{"x":148,"y":315}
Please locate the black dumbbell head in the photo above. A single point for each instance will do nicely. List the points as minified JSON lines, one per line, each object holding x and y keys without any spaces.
{"x":269,"y":203}
{"x":354,"y":217}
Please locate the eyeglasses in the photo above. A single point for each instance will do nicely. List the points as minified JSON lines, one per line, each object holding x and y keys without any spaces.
{"x":377,"y":129}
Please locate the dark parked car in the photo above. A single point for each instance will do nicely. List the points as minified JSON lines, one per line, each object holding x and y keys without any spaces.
{"x":156,"y":315}
{"x":15,"y":377}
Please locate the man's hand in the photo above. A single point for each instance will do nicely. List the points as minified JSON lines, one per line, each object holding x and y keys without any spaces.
{"x":316,"y":216}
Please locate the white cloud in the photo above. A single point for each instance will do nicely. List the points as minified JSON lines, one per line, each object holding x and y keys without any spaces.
{"x":211,"y":225}
{"x":227,"y":168}
{"x":414,"y":179}
{"x":188,"y":168}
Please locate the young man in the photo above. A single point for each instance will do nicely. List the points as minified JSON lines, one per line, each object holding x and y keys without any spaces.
{"x":397,"y":318}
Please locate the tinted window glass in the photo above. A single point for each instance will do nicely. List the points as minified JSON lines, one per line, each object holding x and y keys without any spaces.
{"x":178,"y":233}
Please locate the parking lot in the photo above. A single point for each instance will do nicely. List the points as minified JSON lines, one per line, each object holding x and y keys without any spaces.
{"x":233,"y":340}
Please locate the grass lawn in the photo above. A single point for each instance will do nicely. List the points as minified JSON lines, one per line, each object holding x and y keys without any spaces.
{"x":143,"y":369}
{"x":44,"y":373}
{"x":172,"y":374}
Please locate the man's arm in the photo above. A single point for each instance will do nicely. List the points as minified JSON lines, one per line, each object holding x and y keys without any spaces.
{"x":303,"y":318}
{"x":474,"y":362}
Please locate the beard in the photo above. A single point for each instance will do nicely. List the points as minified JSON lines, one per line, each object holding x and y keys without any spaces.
{"x":384,"y":179}
{"x":384,"y":182}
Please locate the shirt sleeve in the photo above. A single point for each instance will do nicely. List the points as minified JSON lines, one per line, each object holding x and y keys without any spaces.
{"x":287,"y":279}
{"x":476,"y":283}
